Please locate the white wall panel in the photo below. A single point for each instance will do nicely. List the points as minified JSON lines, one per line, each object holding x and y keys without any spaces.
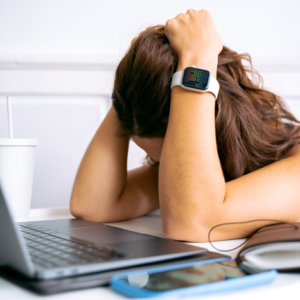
{"x":63,"y":128}
{"x":55,"y":82}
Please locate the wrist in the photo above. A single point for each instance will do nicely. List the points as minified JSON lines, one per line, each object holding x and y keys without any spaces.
{"x":204,"y":62}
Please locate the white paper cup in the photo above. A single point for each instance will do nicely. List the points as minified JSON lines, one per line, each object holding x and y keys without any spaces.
{"x":16,"y":173}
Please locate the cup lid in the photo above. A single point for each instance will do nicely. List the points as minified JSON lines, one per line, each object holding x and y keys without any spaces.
{"x":18,"y":142}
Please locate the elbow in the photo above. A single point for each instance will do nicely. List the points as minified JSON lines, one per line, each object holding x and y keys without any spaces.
{"x":76,"y":205}
{"x":191,"y":221}
{"x":84,"y":214}
{"x":81,"y":210}
{"x":193,"y":226}
{"x":187,"y":232}
{"x":93,"y":212}
{"x":75,"y":210}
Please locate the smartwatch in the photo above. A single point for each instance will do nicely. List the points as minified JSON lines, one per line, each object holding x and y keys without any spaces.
{"x":197,"y":80}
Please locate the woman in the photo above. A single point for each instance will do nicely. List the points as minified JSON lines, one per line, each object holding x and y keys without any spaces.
{"x":230,"y":160}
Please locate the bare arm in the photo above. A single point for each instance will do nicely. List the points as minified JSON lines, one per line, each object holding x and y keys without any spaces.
{"x":191,"y":182}
{"x":193,"y":194}
{"x":103,"y":190}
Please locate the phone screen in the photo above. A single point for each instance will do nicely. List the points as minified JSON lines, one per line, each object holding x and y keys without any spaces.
{"x":185,"y":277}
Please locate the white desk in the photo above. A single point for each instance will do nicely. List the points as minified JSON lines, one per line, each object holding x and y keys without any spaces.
{"x":286,"y":286}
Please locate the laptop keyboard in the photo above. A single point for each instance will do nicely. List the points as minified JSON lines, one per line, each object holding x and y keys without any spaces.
{"x":49,"y":251}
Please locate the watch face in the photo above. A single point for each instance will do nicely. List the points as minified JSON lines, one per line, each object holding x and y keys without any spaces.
{"x":195,"y":78}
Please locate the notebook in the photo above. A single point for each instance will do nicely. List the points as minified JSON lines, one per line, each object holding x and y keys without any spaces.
{"x":63,"y":248}
{"x":272,"y":247}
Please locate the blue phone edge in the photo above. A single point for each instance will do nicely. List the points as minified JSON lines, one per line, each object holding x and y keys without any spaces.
{"x":220,"y":286}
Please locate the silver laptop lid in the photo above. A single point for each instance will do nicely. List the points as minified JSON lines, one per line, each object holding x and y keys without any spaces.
{"x":13,"y":251}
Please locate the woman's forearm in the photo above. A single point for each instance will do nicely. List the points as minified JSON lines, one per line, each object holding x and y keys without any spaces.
{"x":191,"y":182}
{"x":102,"y":174}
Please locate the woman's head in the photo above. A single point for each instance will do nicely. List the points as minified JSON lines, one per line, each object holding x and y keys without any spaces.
{"x":141,"y":94}
{"x":253,"y":127}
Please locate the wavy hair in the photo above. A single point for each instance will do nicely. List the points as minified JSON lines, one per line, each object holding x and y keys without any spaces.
{"x":254,"y":128}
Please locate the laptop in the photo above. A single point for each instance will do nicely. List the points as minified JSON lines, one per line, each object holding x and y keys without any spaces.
{"x":64,"y":248}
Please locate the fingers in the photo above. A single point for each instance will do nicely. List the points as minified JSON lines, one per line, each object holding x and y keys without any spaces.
{"x":193,"y":31}
{"x":172,"y":24}
{"x":189,"y":13}
{"x":183,"y":18}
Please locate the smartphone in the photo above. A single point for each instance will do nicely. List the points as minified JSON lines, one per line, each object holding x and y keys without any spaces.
{"x":203,"y":277}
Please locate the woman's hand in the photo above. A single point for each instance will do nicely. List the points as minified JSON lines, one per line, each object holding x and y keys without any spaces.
{"x":194,"y":36}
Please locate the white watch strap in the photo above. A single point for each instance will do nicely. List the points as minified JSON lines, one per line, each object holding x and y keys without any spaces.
{"x":177,"y":78}
{"x":213,"y":84}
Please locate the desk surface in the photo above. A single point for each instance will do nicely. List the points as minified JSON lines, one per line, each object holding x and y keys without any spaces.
{"x":286,"y":285}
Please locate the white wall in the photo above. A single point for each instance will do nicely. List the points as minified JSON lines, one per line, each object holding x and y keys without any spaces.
{"x":57,"y":61}
{"x":265,"y":28}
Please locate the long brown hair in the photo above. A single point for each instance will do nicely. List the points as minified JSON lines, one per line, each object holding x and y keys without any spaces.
{"x":253,"y":126}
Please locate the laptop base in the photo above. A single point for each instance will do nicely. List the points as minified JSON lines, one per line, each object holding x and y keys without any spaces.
{"x":54,"y":286}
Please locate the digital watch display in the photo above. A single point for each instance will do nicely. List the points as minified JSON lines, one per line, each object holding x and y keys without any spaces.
{"x":195,"y":78}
